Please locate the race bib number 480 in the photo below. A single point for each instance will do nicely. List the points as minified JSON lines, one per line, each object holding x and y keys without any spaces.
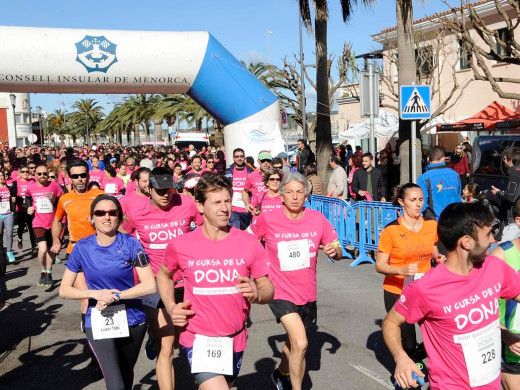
{"x":294,"y":255}
{"x":109,"y":323}
{"x":212,"y":354}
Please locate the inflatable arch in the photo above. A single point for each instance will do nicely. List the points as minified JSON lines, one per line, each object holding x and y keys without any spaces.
{"x":50,"y":60}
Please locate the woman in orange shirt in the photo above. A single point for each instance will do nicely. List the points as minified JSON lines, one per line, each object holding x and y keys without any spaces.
{"x":406,"y":247}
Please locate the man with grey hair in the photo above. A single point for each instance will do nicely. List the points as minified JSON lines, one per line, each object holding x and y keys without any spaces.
{"x":293,"y":236}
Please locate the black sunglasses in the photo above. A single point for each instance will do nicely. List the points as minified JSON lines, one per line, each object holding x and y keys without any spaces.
{"x":24,"y":171}
{"x":239,"y":156}
{"x":78,"y":175}
{"x":42,"y":173}
{"x":275,"y":179}
{"x":52,"y":176}
{"x":102,"y":213}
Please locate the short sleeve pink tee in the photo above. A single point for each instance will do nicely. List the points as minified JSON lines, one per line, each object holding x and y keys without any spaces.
{"x":44,"y":201}
{"x":131,"y":186}
{"x":131,"y":200}
{"x":293,"y":244}
{"x":459,"y":319}
{"x":210,"y":269}
{"x":238,"y":182}
{"x":113,"y":186}
{"x":266,"y":203}
{"x":156,"y":228}
{"x":255,"y":184}
{"x":98,"y":177}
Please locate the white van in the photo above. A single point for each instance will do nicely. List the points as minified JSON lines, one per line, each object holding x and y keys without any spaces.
{"x":198,"y":139}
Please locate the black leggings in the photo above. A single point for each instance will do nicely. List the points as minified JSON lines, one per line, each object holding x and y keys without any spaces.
{"x":117,"y":357}
{"x":22,"y":218}
{"x":407,"y":330}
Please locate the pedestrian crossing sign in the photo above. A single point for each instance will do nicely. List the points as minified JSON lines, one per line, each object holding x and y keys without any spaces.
{"x":414,"y":102}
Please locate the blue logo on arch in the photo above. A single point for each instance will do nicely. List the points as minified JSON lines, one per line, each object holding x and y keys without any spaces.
{"x":259,"y":136}
{"x":96,"y":54}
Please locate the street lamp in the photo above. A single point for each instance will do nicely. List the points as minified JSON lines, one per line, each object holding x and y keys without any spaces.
{"x":39,"y":111}
{"x":13,"y":104}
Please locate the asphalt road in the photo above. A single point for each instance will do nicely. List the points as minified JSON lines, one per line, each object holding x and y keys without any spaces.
{"x":41,"y":346}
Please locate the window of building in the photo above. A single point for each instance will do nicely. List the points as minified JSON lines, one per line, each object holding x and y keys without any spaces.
{"x":424,"y":61}
{"x":464,"y":56}
{"x":503,"y":36}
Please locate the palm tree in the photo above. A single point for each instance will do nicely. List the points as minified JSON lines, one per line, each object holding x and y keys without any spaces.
{"x":57,"y":125}
{"x":89,"y":112}
{"x":166,"y":107}
{"x":323,"y":127}
{"x":192,"y":113}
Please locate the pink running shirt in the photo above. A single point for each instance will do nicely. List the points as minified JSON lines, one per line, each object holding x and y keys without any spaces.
{"x":295,"y":245}
{"x":209,"y":269}
{"x":44,"y":203}
{"x":239,"y":181}
{"x":155,"y":228}
{"x":131,"y":186}
{"x":98,"y":177}
{"x":266,"y":203}
{"x":459,"y":319}
{"x":255,"y":184}
{"x":131,"y":200}
{"x":113,"y":186}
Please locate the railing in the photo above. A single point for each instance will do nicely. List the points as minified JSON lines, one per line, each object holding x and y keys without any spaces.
{"x":358,"y":224}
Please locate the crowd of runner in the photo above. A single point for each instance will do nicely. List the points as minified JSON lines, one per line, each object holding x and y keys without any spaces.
{"x":174,"y":246}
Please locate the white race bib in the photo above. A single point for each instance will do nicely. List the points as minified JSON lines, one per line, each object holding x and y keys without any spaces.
{"x":237,"y":200}
{"x":408,"y":279}
{"x":5,"y":207}
{"x":109,"y":323}
{"x":294,"y":255}
{"x":482,"y":353}
{"x":151,"y":300}
{"x":212,"y":354}
{"x":44,"y":205}
{"x":110,"y":188}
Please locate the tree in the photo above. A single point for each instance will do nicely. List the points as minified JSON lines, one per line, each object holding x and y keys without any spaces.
{"x":88,"y":113}
{"x":323,"y":126}
{"x":496,"y":45}
{"x":57,"y":125}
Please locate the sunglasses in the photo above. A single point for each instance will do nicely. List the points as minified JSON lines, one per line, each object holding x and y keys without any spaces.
{"x":265,"y":160}
{"x":210,"y":162}
{"x":31,"y":168}
{"x":277,"y":167}
{"x":275,"y":179}
{"x":24,"y":171}
{"x":78,"y":175}
{"x":239,"y":156}
{"x":42,"y":173}
{"x":52,"y":177}
{"x":102,"y":213}
{"x":163,"y":192}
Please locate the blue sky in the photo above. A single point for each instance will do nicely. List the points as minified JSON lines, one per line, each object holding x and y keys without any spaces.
{"x":240,"y":25}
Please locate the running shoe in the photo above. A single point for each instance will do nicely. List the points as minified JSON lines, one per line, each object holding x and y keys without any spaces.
{"x":57,"y":260}
{"x":150,"y":349}
{"x":49,"y":281}
{"x":43,"y":279}
{"x":10,"y":257}
{"x":20,"y":245}
{"x":282,"y":382}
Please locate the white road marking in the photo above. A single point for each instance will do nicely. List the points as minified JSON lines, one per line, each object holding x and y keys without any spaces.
{"x":373,"y":376}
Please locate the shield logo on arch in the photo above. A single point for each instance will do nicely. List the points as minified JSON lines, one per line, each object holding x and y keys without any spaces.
{"x":96,"y":54}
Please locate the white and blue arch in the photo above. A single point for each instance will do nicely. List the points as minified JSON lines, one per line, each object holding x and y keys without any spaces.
{"x":49,"y":60}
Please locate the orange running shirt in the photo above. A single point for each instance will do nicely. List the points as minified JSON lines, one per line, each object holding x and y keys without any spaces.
{"x":407,"y":247}
{"x":77,"y":208}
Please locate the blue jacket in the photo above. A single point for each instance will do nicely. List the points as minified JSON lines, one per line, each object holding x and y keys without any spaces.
{"x":441,"y":187}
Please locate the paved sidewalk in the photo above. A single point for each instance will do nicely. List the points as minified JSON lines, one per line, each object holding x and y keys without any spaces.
{"x":41,"y":346}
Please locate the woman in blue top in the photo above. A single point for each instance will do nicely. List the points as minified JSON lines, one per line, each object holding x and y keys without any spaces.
{"x":115,"y":320}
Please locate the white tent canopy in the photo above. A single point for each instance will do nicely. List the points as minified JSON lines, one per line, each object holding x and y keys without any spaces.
{"x":385,"y":125}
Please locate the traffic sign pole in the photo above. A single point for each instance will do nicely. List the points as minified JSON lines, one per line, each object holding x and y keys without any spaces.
{"x":370,"y":88}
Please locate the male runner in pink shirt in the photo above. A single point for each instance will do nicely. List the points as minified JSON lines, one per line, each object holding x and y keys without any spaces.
{"x":42,"y":197}
{"x":224,"y":271}
{"x":155,"y":224}
{"x":457,"y":307}
{"x":139,"y":197}
{"x":293,"y":237}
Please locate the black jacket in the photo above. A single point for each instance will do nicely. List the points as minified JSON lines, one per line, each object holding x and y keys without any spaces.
{"x":512,"y":191}
{"x":305,"y":157}
{"x":229,"y":171}
{"x":360,"y":181}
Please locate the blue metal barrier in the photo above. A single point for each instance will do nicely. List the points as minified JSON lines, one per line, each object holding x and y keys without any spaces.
{"x":358,"y":224}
